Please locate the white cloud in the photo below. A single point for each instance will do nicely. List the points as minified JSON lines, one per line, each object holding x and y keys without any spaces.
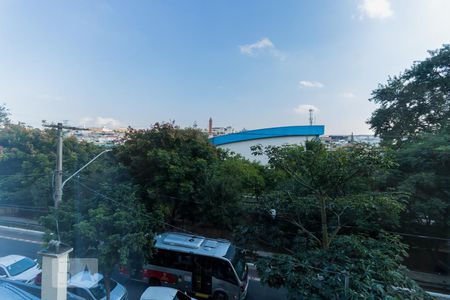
{"x":348,"y":95}
{"x":375,"y":9}
{"x":100,"y":122}
{"x":250,"y":49}
{"x":263,"y":46}
{"x":304,"y":109}
{"x":310,"y":84}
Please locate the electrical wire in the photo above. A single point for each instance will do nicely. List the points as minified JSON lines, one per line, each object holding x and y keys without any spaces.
{"x":128,"y":207}
{"x":276,"y":258}
{"x":186,"y":231}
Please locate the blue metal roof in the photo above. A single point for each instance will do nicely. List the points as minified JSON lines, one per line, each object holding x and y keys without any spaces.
{"x":313,"y":130}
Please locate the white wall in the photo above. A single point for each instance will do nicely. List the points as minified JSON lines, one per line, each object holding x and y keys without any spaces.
{"x":243,"y":148}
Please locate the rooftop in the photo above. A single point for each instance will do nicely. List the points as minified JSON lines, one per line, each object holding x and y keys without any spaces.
{"x":10,"y":259}
{"x":85,"y":279}
{"x":273,"y":132}
{"x":192,"y":244}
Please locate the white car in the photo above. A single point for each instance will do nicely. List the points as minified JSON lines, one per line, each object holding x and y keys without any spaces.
{"x":164,"y":293}
{"x":18,"y":267}
{"x":92,"y":287}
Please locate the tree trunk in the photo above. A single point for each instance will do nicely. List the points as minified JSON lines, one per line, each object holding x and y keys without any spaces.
{"x":323,"y":216}
{"x":107,"y":286}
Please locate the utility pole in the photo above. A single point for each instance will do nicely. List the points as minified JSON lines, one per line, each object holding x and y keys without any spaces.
{"x":55,"y":256}
{"x":57,"y":194}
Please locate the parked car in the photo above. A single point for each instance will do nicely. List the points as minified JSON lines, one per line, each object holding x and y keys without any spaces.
{"x":92,"y":287}
{"x":10,"y":292}
{"x":164,"y":293}
{"x":18,"y":267}
{"x":16,"y":290}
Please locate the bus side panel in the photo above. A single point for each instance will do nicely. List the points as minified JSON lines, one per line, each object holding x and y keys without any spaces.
{"x":177,"y":264}
{"x":174,"y":278}
{"x":230,"y":289}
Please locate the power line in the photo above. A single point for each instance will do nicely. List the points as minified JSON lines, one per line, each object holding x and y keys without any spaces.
{"x":129,"y":208}
{"x":184,"y":230}
{"x":196,"y":202}
{"x":256,"y":202}
{"x":277,"y":258}
{"x":345,"y":273}
{"x":265,"y":208}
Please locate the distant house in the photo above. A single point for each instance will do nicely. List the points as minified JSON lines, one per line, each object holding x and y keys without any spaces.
{"x":241,"y":142}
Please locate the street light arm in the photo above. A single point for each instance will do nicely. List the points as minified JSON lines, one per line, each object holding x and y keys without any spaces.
{"x":81,"y":169}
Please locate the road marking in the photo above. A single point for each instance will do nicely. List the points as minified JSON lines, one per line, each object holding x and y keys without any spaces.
{"x":254,"y":278}
{"x":20,"y":229}
{"x":20,"y":240}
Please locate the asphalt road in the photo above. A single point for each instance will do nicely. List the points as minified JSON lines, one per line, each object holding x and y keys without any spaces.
{"x":27,"y":243}
{"x":18,"y":241}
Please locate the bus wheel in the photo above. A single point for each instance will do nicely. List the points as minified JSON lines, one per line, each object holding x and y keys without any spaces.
{"x":154,"y":282}
{"x":220,"y":296}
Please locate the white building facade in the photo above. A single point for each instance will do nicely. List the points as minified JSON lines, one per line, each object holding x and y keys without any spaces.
{"x":241,"y":142}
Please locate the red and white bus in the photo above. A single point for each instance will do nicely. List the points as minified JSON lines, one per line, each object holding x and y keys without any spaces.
{"x":203,"y":267}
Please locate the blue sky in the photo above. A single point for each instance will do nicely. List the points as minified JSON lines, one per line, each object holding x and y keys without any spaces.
{"x":248,"y":64}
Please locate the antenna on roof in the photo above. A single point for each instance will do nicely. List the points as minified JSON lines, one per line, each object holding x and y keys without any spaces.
{"x":311,"y":116}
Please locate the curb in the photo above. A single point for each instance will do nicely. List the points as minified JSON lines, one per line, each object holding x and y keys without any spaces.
{"x":21,"y":229}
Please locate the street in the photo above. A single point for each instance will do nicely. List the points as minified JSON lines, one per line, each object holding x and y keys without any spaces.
{"x":27,"y":243}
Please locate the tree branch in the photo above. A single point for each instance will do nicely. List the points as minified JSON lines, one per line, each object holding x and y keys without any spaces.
{"x":339,"y":225}
{"x":309,"y":233}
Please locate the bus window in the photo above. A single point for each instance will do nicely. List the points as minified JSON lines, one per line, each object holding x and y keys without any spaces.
{"x":164,"y":258}
{"x":173,"y":260}
{"x":183,"y":262}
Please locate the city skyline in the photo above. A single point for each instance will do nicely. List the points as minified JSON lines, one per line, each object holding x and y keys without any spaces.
{"x":250,"y":65}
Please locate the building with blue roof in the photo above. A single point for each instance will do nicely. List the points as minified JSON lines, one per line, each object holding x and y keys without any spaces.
{"x":241,"y":142}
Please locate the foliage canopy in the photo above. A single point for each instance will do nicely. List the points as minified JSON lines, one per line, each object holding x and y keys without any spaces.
{"x":418,"y":100}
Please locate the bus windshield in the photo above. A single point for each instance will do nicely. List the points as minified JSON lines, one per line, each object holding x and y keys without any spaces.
{"x":237,"y":259}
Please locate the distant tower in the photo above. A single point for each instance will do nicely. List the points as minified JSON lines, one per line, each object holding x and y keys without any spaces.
{"x":311,"y":116}
{"x":352,"y":138}
{"x":210,"y":127}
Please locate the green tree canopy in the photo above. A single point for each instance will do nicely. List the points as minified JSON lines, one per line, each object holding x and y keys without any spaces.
{"x":181,"y":172}
{"x":418,"y":100}
{"x":170,"y":165}
{"x":332,"y":186}
{"x":4,"y":115}
{"x":355,"y":267}
{"x":27,"y":161}
{"x":423,"y":175}
{"x":229,"y":181}
{"x":329,"y":222}
{"x":105,"y":220}
{"x":100,"y":216}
